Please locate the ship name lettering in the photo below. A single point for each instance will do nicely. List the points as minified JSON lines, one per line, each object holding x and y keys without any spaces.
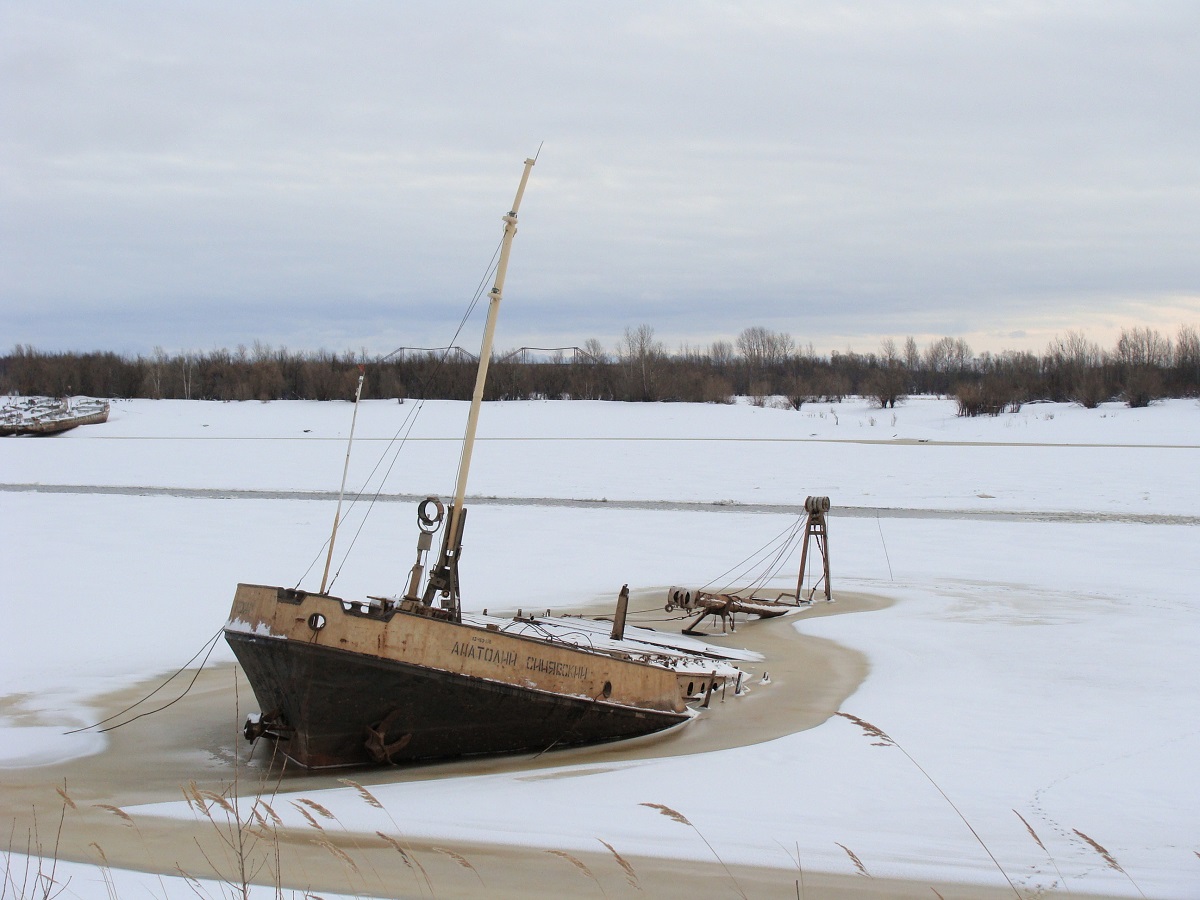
{"x":486,"y":654}
{"x":551,"y":667}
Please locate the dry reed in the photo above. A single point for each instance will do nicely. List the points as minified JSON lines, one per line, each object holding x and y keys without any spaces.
{"x":220,"y":801}
{"x":308,"y":817}
{"x":673,"y":814}
{"x":62,"y":792}
{"x":409,"y":858}
{"x":800,"y":891}
{"x":397,"y":846}
{"x":338,"y":853}
{"x":883,"y":739}
{"x":1109,"y":859}
{"x":676,"y":816}
{"x":116,"y":811}
{"x":318,"y":808}
{"x":110,"y":887}
{"x":367,"y":796}
{"x":580,"y":865}
{"x":858,"y":863}
{"x":460,"y":859}
{"x":407,"y":854}
{"x":1033,"y":834}
{"x":270,"y":811}
{"x":630,"y":874}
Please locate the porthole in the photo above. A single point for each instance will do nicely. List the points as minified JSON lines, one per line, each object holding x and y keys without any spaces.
{"x":316,"y":621}
{"x":607,"y":690}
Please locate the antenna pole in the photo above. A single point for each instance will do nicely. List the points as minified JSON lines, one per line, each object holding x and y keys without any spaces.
{"x":337,"y":516}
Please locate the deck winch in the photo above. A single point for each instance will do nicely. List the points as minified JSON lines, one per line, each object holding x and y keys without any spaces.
{"x":726,"y":604}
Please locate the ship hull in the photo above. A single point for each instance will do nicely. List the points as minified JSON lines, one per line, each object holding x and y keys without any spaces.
{"x":334,"y":703}
{"x":51,"y":417}
{"x":367,"y":688}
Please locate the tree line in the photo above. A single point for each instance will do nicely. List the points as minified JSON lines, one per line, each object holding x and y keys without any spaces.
{"x":1143,"y":366}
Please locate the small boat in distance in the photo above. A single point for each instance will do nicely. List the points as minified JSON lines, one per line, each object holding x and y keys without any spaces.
{"x":395,"y":679}
{"x":50,"y":415}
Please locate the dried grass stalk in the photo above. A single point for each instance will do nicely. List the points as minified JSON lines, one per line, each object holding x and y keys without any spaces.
{"x":62,"y":792}
{"x":1032,"y":833}
{"x":573,"y":860}
{"x":314,"y":805}
{"x":362,"y":792}
{"x":396,"y":845}
{"x":460,"y":859}
{"x":220,"y":801}
{"x":1109,"y":859}
{"x":858,"y":863}
{"x":270,"y":812}
{"x":672,"y":814}
{"x":873,"y":731}
{"x":676,"y":816}
{"x":192,"y":791}
{"x":630,"y":874}
{"x":307,"y":816}
{"x":338,"y":852}
{"x":883,"y":739}
{"x":116,"y":811}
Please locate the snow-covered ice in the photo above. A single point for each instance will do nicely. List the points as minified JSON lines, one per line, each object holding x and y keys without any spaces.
{"x":1046,"y":668}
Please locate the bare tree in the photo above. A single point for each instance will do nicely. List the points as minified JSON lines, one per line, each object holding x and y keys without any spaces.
{"x":188,"y":363}
{"x":154,"y":373}
{"x":1142,"y":355}
{"x":1143,"y":347}
{"x":888,"y":353}
{"x":1187,"y":357}
{"x":593,"y":351}
{"x":1142,"y":366}
{"x":762,"y":348}
{"x":721,"y":354}
{"x":642,"y":355}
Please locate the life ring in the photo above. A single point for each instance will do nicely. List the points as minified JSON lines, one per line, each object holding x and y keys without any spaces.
{"x":430,"y":513}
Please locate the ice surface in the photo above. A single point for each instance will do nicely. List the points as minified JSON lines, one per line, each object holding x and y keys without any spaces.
{"x":1047,"y":668}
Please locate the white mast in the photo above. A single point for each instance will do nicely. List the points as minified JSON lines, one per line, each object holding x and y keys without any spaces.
{"x":443,"y":578}
{"x":485,"y":352}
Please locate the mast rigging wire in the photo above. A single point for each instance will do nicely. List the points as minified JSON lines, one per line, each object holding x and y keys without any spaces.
{"x":407,"y":425}
{"x":745,"y":568}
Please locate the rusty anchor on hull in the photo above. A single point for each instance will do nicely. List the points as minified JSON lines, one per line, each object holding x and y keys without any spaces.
{"x":376,"y":742}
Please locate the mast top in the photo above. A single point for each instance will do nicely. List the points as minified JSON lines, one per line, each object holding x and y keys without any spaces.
{"x":444,"y":577}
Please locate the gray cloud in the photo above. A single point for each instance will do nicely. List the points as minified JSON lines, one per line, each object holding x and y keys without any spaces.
{"x":194,"y":175}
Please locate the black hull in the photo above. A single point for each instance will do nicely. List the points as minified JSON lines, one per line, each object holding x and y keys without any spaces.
{"x":329,"y":707}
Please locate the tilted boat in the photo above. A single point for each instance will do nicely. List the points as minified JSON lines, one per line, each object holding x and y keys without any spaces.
{"x":397,"y":679}
{"x":50,"y":415}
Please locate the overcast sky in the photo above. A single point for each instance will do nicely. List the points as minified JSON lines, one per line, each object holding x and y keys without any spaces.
{"x":332,"y":175}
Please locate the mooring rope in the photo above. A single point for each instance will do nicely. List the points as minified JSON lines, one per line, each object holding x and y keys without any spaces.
{"x":210,"y":645}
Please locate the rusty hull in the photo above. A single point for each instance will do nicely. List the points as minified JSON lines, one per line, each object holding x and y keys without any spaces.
{"x":348,"y":683}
